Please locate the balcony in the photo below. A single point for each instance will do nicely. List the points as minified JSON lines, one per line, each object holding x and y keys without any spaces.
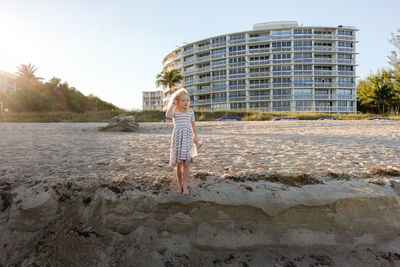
{"x":219,"y":100}
{"x":259,"y":86}
{"x":239,"y":64}
{"x":259,"y":51}
{"x":323,"y":60}
{"x":303,"y":60}
{"x":346,"y":37}
{"x":346,"y":97}
{"x":281,"y":97}
{"x":346,"y":61}
{"x":281,"y":61}
{"x":218,"y":44}
{"x":237,"y":99}
{"x":259,"y":98}
{"x":214,"y":56}
{"x":324,"y":73}
{"x":259,"y":62}
{"x":324,"y":48}
{"x":302,"y":48}
{"x":281,"y":49}
{"x":202,"y":91}
{"x":204,"y":80}
{"x":240,"y":41}
{"x":257,"y":74}
{"x":218,"y":78}
{"x":324,"y":97}
{"x":346,"y":73}
{"x":202,"y":59}
{"x":281,"y":85}
{"x":237,"y":53}
{"x":237,"y":87}
{"x":187,"y":52}
{"x":205,"y":69}
{"x":203,"y":48}
{"x":257,"y":39}
{"x":324,"y":85}
{"x":188,"y":82}
{"x":188,"y":62}
{"x":346,"y":85}
{"x":302,"y":73}
{"x":218,"y":89}
{"x":302,"y":97}
{"x":237,"y":76}
{"x":218,"y":67}
{"x":346,"y":49}
{"x":202,"y":102}
{"x":300,"y":84}
{"x":324,"y":36}
{"x":302,"y":36}
{"x":281,"y":73}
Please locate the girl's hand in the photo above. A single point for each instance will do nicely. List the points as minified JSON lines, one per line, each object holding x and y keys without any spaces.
{"x":196,"y":140}
{"x":176,"y":99}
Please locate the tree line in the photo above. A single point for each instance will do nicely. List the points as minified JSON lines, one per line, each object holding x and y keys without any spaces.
{"x":380,"y":92}
{"x":35,"y":95}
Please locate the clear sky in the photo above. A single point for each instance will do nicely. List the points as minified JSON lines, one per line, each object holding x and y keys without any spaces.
{"x":114,"y":49}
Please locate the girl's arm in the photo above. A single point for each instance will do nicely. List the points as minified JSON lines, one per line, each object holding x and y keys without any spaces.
{"x":195,"y":139}
{"x":170,"y":109}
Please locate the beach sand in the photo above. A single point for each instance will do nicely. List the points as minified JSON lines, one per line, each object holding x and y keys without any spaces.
{"x":242,"y":191}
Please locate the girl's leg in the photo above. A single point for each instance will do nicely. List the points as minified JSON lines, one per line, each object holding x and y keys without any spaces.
{"x":179,"y":173}
{"x":185,"y":177}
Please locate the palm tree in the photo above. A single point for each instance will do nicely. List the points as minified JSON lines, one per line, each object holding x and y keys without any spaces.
{"x":27,"y":72}
{"x":169,"y":78}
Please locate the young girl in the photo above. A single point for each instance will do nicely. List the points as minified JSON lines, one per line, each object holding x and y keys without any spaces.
{"x":183,"y":136}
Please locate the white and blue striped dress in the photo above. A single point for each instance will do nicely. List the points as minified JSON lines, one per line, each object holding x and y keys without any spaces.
{"x":181,"y":139}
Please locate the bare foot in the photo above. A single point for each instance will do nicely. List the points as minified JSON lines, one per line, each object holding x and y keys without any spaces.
{"x":185,"y":191}
{"x":179,"y":189}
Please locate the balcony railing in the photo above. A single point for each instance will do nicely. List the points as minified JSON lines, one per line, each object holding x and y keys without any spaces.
{"x":302,"y":84}
{"x":281,"y":73}
{"x":281,"y":97}
{"x":258,"y":63}
{"x":324,"y":84}
{"x":257,"y":74}
{"x":237,"y":53}
{"x":237,"y":76}
{"x":302,"y":73}
{"x":260,"y":98}
{"x":350,"y":85}
{"x":308,"y":96}
{"x":259,"y":51}
{"x":237,"y":87}
{"x":281,"y":85}
{"x":237,"y":99}
{"x":259,"y":86}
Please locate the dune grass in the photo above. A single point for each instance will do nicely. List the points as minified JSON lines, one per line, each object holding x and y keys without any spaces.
{"x":157,"y":116}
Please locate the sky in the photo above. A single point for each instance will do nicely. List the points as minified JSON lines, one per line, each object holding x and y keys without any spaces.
{"x":114,"y":49}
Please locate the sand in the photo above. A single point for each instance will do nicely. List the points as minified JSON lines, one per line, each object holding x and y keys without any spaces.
{"x":115,"y":193}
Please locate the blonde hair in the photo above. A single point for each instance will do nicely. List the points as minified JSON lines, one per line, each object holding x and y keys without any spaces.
{"x":181,"y":92}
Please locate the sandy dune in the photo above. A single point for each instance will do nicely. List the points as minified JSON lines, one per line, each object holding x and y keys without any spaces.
{"x":285,"y":193}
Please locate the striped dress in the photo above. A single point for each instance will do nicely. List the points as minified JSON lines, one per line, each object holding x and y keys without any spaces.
{"x":181,"y":139}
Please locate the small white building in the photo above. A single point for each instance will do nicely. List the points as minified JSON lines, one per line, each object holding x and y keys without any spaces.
{"x":7,"y":83}
{"x":152,"y":100}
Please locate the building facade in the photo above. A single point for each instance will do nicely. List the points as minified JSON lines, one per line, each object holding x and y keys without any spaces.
{"x":7,"y":84}
{"x":276,"y":67}
{"x":152,"y":100}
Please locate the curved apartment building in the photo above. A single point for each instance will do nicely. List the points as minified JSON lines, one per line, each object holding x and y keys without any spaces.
{"x":276,"y":67}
